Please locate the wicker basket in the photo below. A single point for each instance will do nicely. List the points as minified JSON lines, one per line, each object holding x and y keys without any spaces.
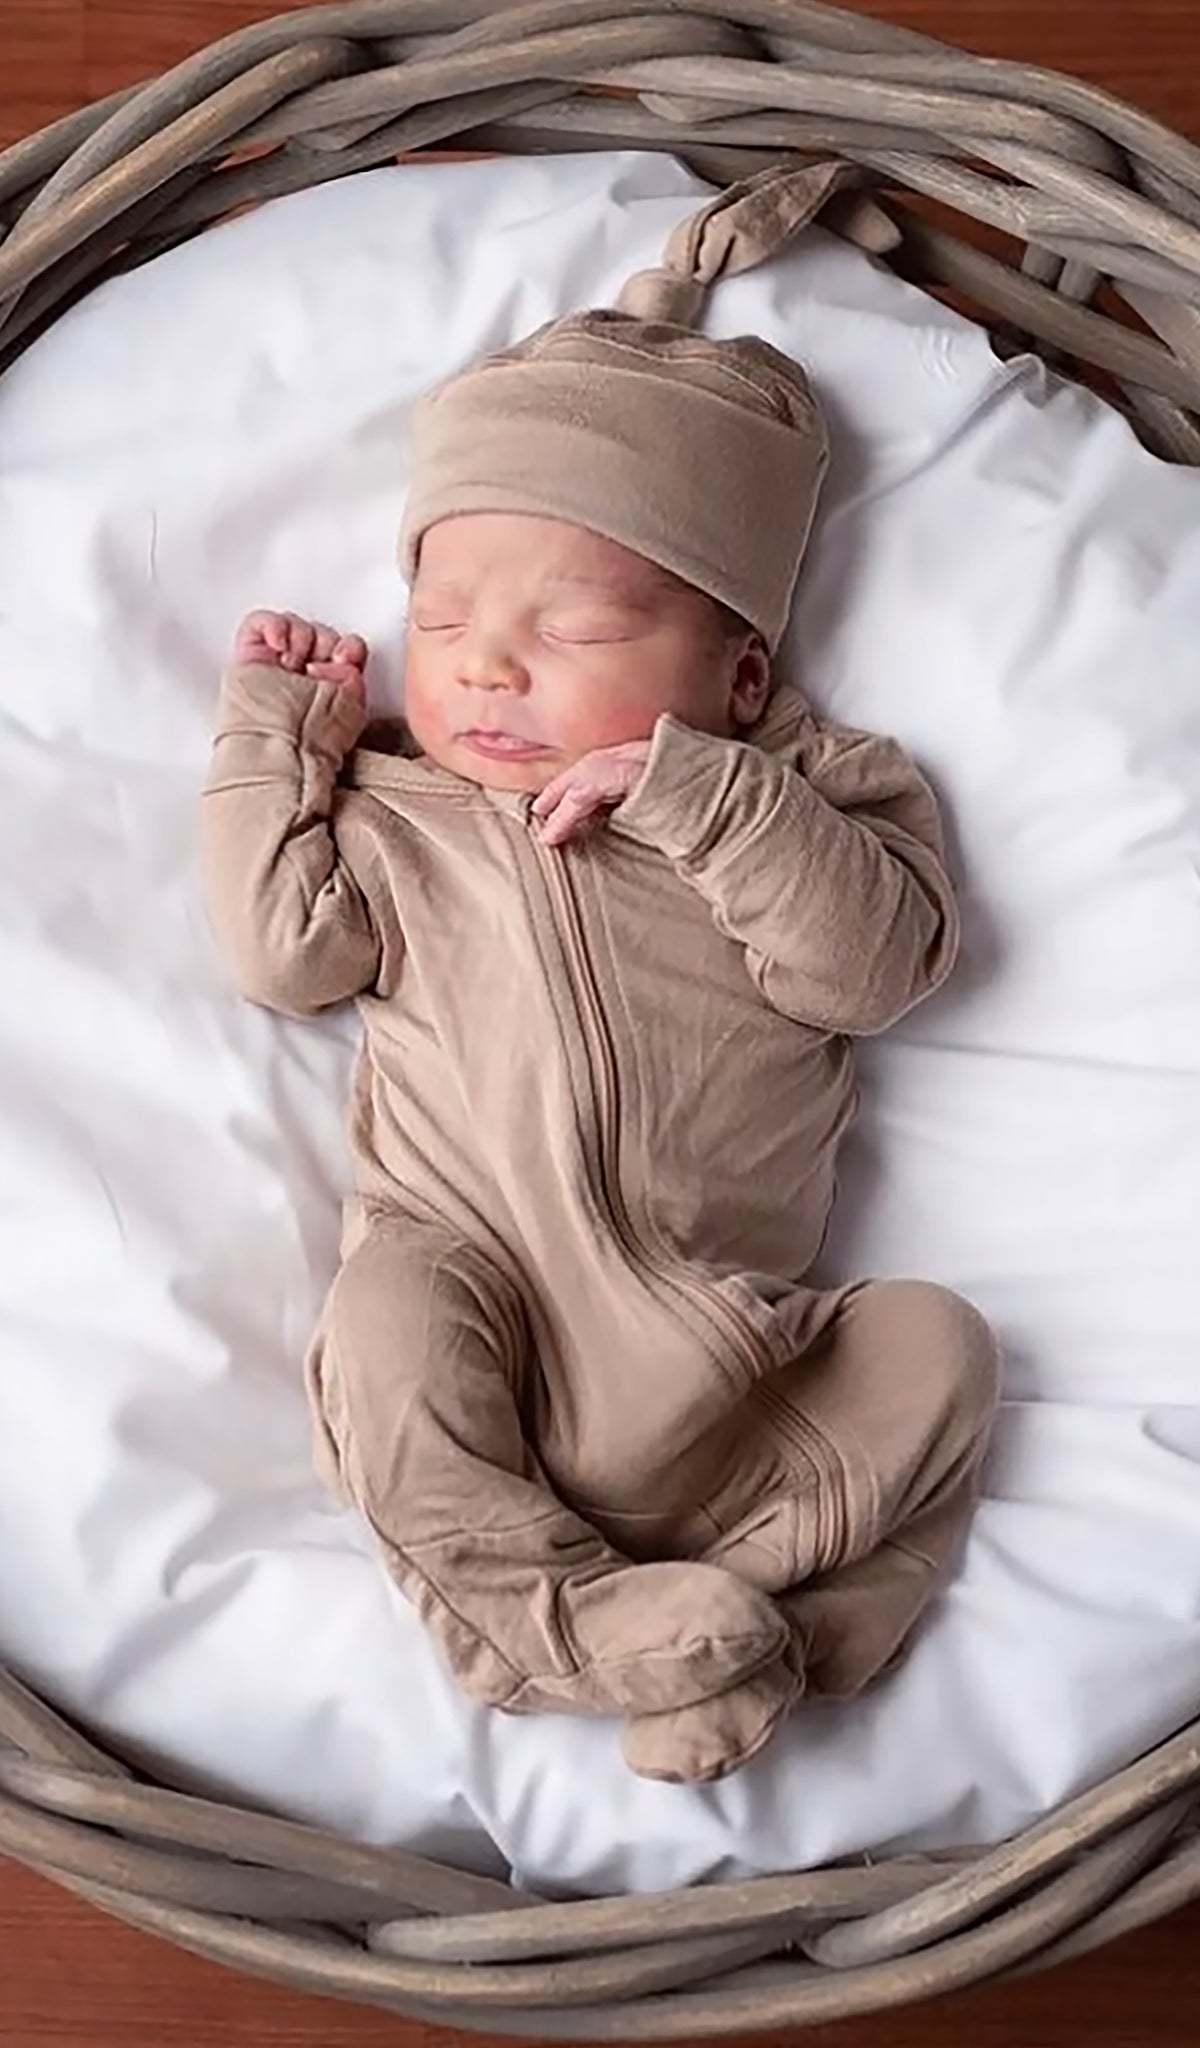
{"x":1107,"y":205}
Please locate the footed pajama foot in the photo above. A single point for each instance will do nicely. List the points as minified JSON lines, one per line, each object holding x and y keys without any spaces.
{"x":657,"y":1637}
{"x":709,"y":1740}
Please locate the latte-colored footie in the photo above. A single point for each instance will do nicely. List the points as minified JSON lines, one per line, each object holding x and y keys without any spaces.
{"x":710,"y":1740}
{"x":659,"y":1637}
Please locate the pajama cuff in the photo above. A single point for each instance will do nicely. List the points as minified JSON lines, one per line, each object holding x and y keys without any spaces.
{"x":321,"y":717}
{"x":697,"y":787}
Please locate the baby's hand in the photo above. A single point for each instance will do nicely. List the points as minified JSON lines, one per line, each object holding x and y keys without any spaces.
{"x":304,"y":647}
{"x":594,"y":783}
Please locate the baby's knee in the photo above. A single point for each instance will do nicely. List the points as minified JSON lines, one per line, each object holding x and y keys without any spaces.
{"x":371,"y":1298}
{"x":954,"y":1351}
{"x":411,"y":1296}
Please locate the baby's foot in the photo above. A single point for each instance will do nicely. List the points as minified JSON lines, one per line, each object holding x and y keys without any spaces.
{"x":715,"y":1737}
{"x":652,"y":1637}
{"x":304,"y":647}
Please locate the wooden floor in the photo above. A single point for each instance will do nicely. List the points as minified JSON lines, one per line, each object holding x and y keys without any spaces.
{"x":67,"y":1976}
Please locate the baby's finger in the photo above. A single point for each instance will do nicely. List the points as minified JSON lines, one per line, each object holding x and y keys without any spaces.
{"x":603,"y":772}
{"x":274,"y":628}
{"x":576,"y":807}
{"x":342,"y":672}
{"x":351,"y":648}
{"x":326,"y":643}
{"x":254,"y":635}
{"x":300,"y":641}
{"x":553,"y":794}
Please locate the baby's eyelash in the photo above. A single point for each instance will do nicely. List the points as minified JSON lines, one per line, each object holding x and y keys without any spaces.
{"x":584,"y":639}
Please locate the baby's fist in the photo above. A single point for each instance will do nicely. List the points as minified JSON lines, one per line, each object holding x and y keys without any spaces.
{"x":304,"y":647}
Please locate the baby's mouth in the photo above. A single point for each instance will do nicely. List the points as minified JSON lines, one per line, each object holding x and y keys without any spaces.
{"x":506,"y":745}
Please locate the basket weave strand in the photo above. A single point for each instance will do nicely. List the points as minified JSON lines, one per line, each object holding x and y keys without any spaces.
{"x":1103,"y":204}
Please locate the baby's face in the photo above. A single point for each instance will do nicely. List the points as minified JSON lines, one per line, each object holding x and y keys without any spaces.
{"x":531,"y":642}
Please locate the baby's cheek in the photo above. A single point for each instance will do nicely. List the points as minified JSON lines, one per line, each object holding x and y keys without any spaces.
{"x":421,"y":704}
{"x":605,"y":721}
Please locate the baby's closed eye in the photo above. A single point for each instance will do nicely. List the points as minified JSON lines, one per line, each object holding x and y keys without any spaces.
{"x":430,"y":622}
{"x":592,"y":628}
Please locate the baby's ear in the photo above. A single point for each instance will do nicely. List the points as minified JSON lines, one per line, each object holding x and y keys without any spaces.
{"x":751,"y":679}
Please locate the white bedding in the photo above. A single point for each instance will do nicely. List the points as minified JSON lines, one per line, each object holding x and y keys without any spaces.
{"x":1004,"y":579}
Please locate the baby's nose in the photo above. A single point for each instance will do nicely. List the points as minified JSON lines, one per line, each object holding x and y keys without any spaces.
{"x":491,"y":665}
{"x":508,"y":676}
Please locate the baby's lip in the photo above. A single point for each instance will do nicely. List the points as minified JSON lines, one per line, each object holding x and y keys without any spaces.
{"x":495,"y":738}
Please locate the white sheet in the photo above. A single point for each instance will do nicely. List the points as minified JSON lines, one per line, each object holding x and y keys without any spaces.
{"x":1003,"y":578}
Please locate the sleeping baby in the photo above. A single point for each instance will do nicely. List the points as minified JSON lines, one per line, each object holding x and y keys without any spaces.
{"x":614,"y":911}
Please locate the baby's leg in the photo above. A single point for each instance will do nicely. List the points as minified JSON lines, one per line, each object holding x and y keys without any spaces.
{"x":922,"y":1377}
{"x":417,"y":1377}
{"x":894,"y":1402}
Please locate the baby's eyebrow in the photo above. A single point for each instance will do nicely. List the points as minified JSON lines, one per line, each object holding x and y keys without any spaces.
{"x":596,"y":587}
{"x":599,"y":587}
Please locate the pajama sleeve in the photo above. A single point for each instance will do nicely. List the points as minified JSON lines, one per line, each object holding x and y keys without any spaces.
{"x":294,"y":922}
{"x":827,"y":866}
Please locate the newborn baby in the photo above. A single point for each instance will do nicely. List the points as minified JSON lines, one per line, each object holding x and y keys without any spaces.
{"x":614,"y":914}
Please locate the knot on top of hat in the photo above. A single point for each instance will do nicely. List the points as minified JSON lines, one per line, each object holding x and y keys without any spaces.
{"x":662,"y":295}
{"x":742,"y":226}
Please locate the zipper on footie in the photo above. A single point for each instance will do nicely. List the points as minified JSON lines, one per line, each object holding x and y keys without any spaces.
{"x":740,"y":1336}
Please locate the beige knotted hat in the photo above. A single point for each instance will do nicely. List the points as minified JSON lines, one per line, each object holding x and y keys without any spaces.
{"x":704,"y":456}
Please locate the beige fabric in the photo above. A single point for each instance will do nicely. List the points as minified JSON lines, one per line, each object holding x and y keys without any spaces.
{"x":622,"y":426}
{"x":622,"y":1458}
{"x":741,"y":227}
{"x":621,"y":420}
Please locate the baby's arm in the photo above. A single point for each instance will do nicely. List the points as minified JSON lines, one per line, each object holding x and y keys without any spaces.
{"x":828,"y":866}
{"x":292,"y":920}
